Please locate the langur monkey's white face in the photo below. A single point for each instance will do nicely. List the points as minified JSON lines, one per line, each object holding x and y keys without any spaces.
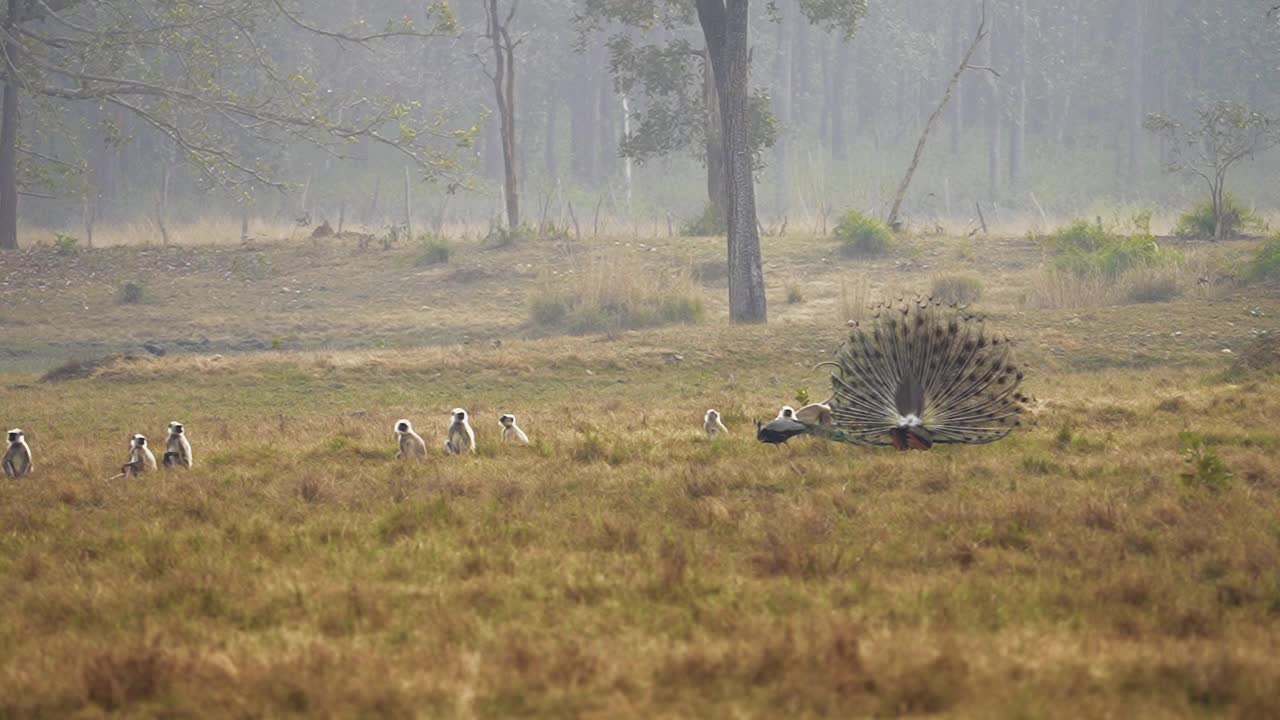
{"x":15,"y":436}
{"x":175,"y":428}
{"x":787,"y":412}
{"x":712,"y":416}
{"x":403,"y":427}
{"x":459,"y":415}
{"x":139,"y":441}
{"x":507,"y":420}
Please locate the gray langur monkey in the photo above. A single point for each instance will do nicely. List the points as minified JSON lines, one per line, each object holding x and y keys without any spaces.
{"x":177,"y":450}
{"x":511,"y":432}
{"x":815,"y":414}
{"x":713,"y":425}
{"x":17,"y":459}
{"x":141,"y":459}
{"x":411,"y":444}
{"x":461,"y":438}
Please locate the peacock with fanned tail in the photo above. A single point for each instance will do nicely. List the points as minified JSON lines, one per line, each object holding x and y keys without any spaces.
{"x":921,"y":374}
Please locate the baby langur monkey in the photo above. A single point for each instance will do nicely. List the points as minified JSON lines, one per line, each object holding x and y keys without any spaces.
{"x":461,"y":438}
{"x":787,"y":413}
{"x":511,"y":432}
{"x":141,"y":459}
{"x":17,"y":459}
{"x":411,"y":444}
{"x":712,"y":424}
{"x":177,"y":451}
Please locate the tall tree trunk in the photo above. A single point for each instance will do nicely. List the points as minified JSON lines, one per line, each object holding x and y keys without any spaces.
{"x":800,"y":66}
{"x":725,"y":26}
{"x":606,"y":151}
{"x":959,"y":19}
{"x":715,"y":143}
{"x":550,"y":161}
{"x":995,"y":116}
{"x":782,"y":108}
{"x":582,"y":117}
{"x":839,"y":79}
{"x":1018,"y":111}
{"x":1137,"y":45}
{"x":9,"y":146}
{"x":504,"y":86}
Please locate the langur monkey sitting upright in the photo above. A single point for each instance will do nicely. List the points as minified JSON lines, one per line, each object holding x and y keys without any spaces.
{"x":411,"y":444}
{"x":17,"y":459}
{"x":713,"y":425}
{"x":177,"y":451}
{"x":511,"y":432}
{"x":461,"y":438}
{"x":140,"y":459}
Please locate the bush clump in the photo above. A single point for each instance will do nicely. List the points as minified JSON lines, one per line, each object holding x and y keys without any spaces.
{"x":65,"y":244}
{"x":606,"y":296}
{"x":132,"y":293}
{"x":710,"y":223}
{"x":433,"y":250}
{"x":1084,"y":248}
{"x":863,"y":236}
{"x":1266,"y":264}
{"x":956,"y":289}
{"x":1200,"y":222}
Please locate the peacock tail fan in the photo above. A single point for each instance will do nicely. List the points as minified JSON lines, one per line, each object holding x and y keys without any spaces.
{"x":925,"y":373}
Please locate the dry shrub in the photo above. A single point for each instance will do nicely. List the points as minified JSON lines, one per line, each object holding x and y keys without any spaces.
{"x":607,"y":294}
{"x":1151,"y":284}
{"x":957,"y":289}
{"x":1056,"y":289}
{"x":1261,"y":355}
{"x":116,"y":679}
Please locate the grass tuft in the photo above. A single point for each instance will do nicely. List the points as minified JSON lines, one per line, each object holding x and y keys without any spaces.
{"x":956,"y":289}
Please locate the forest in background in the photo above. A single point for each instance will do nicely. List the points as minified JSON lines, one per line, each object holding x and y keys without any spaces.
{"x":1059,"y":127}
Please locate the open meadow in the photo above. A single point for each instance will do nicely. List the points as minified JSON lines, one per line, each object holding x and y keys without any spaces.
{"x":1118,"y":557}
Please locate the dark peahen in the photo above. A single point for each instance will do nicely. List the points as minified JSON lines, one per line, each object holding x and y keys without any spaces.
{"x":923,"y":373}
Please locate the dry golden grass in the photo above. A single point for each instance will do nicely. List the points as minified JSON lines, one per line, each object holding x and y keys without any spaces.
{"x":623,"y":565}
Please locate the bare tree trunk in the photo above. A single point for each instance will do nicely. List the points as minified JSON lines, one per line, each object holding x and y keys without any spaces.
{"x":162,"y":203}
{"x":800,"y":67}
{"x":605,"y":155}
{"x":725,"y":27}
{"x":839,"y":79}
{"x":715,"y":145}
{"x":933,"y":119}
{"x":408,"y":206}
{"x":995,"y":116}
{"x":1137,"y":45}
{"x":1018,"y":112}
{"x":959,"y":18}
{"x":782,"y":107}
{"x":550,"y":161}
{"x":9,"y":145}
{"x":504,"y":86}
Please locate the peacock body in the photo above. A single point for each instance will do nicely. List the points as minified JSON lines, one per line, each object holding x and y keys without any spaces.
{"x":923,"y":373}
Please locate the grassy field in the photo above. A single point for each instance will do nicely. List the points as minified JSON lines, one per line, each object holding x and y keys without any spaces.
{"x":1118,"y":558}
